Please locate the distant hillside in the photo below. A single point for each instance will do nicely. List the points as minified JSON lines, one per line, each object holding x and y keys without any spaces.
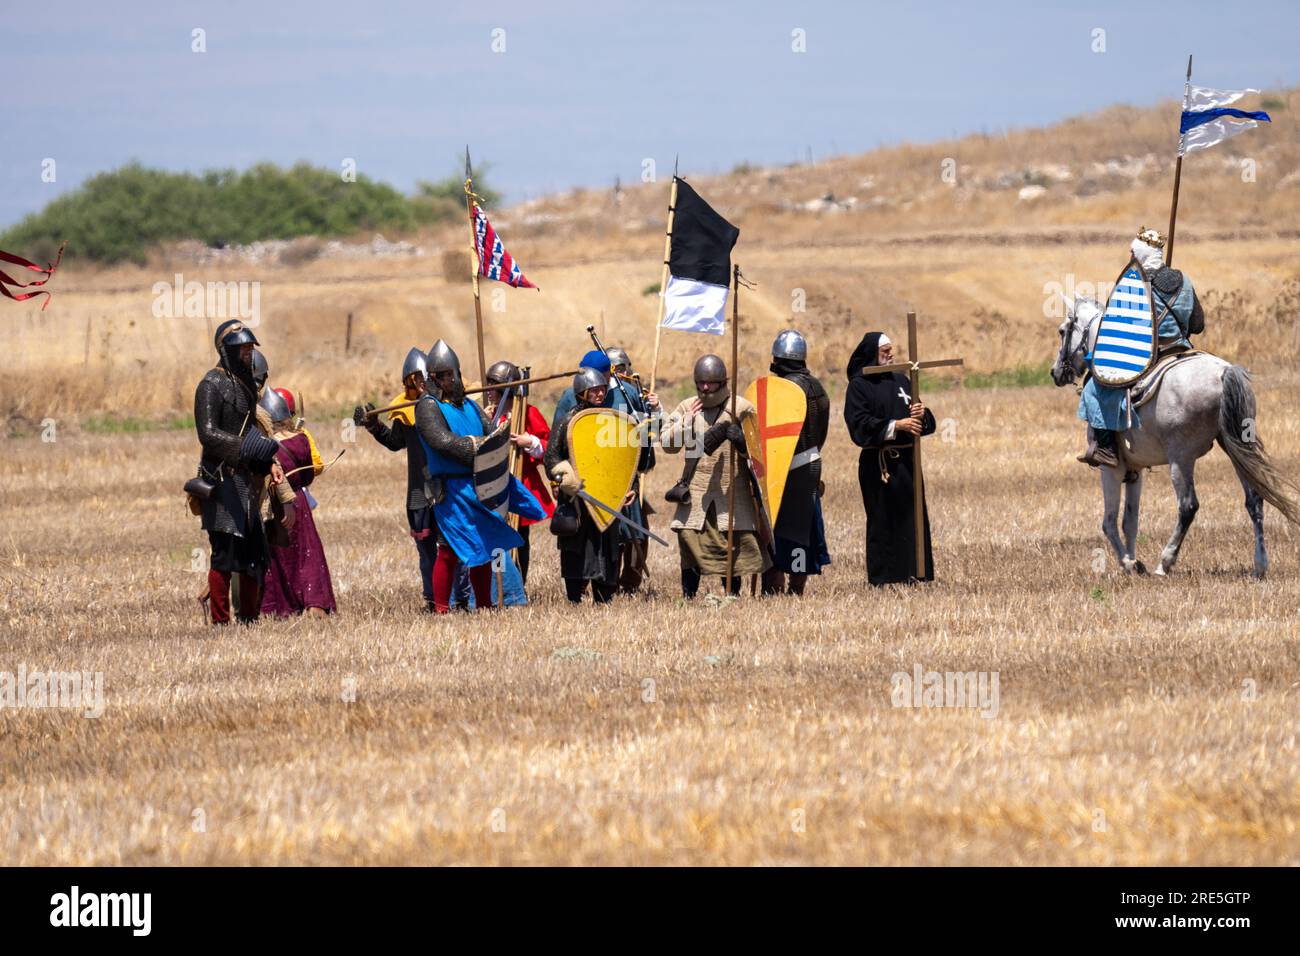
{"x":978,"y":235}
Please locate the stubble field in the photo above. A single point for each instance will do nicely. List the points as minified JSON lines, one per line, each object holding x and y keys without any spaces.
{"x":1137,"y":721}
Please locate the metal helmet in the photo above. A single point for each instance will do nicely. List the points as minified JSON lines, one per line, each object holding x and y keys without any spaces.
{"x":790,"y":344}
{"x":415,"y":362}
{"x":589,"y":378}
{"x":618,"y":357}
{"x":501,"y":372}
{"x":260,"y":369}
{"x":234,"y":333}
{"x":710,"y":368}
{"x":442,"y":359}
{"x":275,"y":405}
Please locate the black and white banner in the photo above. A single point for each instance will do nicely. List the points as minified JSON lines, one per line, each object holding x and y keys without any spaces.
{"x":699,"y":265}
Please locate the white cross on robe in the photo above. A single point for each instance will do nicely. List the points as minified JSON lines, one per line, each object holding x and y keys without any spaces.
{"x":904,"y":396}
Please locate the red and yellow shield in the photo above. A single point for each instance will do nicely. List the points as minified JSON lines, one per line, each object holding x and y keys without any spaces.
{"x":772,"y":432}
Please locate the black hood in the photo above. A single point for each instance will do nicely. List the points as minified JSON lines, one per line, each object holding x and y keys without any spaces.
{"x":787,"y":366}
{"x":867,"y":352}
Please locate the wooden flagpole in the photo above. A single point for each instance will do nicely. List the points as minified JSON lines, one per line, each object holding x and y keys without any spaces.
{"x":663,"y":281}
{"x":1178,"y":171}
{"x":731,"y":454}
{"x":473,"y":250}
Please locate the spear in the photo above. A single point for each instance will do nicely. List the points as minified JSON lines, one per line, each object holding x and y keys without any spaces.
{"x":478,"y":390}
{"x":1178,"y":171}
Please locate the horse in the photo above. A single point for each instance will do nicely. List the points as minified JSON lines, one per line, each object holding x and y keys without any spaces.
{"x":1203,"y":399}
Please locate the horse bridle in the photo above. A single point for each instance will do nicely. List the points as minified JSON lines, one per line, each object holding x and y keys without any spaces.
{"x":1065,"y":359}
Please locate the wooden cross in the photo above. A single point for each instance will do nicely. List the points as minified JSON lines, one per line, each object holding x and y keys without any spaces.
{"x":913,"y":368}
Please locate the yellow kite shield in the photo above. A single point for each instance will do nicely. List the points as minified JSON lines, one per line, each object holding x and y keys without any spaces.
{"x":772,"y":432}
{"x":604,"y":447}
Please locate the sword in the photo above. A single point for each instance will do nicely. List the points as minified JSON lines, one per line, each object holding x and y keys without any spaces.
{"x":620,"y":516}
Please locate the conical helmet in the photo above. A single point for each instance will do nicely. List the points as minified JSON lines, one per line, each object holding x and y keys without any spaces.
{"x":415,"y":362}
{"x":442,"y":359}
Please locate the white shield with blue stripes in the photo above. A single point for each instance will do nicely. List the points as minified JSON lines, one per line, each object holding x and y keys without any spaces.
{"x":492,"y":472}
{"x":1126,"y":342}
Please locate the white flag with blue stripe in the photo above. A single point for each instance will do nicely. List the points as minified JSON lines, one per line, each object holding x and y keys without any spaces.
{"x":1209,"y":117}
{"x":1126,"y":340}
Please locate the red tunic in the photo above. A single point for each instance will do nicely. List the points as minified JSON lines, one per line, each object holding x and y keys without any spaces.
{"x":535,"y":424}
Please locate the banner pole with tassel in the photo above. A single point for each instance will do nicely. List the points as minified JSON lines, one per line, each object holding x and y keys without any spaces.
{"x":477,"y":266}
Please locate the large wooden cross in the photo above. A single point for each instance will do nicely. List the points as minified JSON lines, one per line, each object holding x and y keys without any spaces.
{"x":913,"y":368}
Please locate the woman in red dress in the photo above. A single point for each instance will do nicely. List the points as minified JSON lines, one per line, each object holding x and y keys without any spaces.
{"x":298,"y":578}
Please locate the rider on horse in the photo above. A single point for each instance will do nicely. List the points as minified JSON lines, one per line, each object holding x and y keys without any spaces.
{"x":1105,"y":408}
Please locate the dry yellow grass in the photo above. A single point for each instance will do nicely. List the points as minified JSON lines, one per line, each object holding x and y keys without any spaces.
{"x":472,"y":740}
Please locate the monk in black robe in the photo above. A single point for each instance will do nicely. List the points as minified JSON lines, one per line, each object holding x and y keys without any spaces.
{"x":884,"y":421}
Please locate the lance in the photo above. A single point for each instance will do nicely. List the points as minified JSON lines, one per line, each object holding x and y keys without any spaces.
{"x":478,"y":390}
{"x":1178,"y":170}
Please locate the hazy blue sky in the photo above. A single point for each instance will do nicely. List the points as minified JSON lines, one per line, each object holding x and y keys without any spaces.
{"x":583,"y":92}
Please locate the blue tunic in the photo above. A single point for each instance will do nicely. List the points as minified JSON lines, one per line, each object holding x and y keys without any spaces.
{"x":1103,"y":407}
{"x":469,"y":528}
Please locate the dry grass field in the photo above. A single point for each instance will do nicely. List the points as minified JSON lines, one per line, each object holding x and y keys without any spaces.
{"x":1138,"y":720}
{"x":1161,"y":710}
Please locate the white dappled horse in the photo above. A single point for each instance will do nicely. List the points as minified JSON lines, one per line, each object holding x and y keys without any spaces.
{"x":1202,"y":399}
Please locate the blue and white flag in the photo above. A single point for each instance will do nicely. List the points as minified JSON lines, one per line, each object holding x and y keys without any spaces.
{"x":1209,"y":117}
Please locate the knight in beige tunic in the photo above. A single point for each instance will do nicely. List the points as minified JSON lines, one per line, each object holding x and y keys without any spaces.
{"x":704,"y":428}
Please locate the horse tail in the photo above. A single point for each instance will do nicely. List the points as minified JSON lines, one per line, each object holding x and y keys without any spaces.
{"x":1239,"y":437}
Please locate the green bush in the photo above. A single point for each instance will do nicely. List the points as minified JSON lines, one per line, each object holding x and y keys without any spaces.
{"x":118,"y":216}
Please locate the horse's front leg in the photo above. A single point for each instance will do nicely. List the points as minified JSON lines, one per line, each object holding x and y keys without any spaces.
{"x":1110,"y":494}
{"x":1180,"y":473}
{"x":1132,"y":502}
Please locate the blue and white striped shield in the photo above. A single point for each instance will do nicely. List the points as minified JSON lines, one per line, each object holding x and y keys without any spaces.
{"x":492,"y":472}
{"x":1126,"y":343}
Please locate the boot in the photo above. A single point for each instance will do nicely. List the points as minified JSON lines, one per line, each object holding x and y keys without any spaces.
{"x":1098,"y":452}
